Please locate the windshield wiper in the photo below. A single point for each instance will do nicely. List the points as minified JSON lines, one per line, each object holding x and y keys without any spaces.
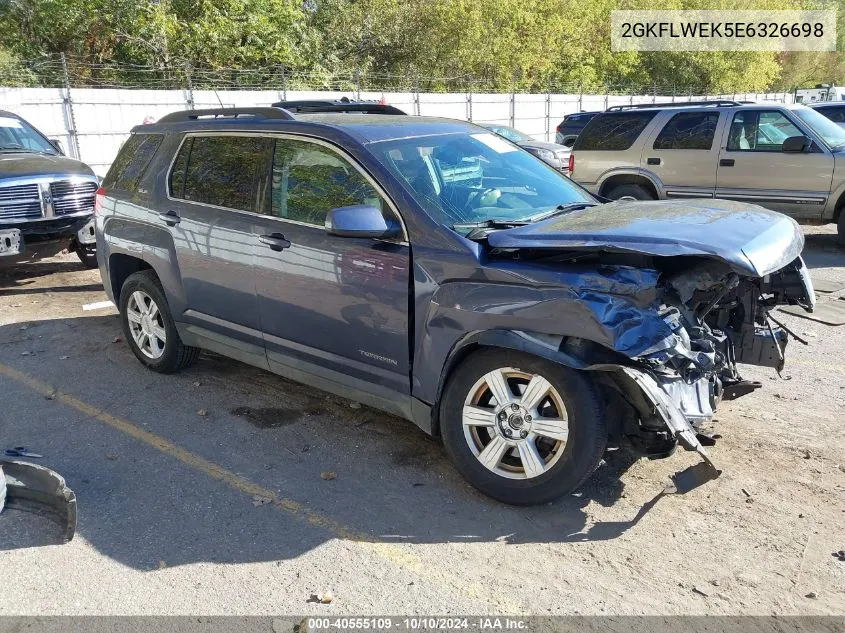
{"x":561,"y":208}
{"x":493,"y":223}
{"x":19,"y":150}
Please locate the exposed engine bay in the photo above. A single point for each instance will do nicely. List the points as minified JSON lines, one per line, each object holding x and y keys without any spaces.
{"x":720,"y":320}
{"x":703,"y":319}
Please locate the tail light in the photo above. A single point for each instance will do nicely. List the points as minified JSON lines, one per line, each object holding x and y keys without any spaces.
{"x":98,"y":200}
{"x":571,"y":163}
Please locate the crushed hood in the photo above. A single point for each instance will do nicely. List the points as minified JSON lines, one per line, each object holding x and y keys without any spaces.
{"x":750,"y":239}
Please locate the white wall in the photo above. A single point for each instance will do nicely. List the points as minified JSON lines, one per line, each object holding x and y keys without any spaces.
{"x":103,"y":117}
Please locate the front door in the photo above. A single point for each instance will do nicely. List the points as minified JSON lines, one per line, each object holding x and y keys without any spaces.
{"x":215,"y":188}
{"x":332,"y":308}
{"x":754,"y":168}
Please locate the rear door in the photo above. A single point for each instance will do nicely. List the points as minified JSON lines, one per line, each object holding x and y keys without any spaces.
{"x":683,"y":154}
{"x":332,"y":308}
{"x":216,"y":184}
{"x":754,"y":168}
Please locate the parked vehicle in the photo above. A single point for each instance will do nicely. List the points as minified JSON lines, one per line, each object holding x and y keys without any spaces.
{"x":835,"y":111}
{"x":46,"y":199}
{"x":429,"y":268}
{"x":787,"y":158}
{"x":555,"y":155}
{"x":569,"y":129}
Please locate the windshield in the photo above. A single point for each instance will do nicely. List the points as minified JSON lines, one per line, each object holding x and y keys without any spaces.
{"x":19,"y":136}
{"x":829,"y":132}
{"x":509,"y":133}
{"x":464,"y":179}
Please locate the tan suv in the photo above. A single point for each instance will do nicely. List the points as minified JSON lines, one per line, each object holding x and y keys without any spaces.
{"x":788,"y":158}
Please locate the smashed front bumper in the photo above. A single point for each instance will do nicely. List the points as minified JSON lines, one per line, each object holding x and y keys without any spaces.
{"x":668,"y":407}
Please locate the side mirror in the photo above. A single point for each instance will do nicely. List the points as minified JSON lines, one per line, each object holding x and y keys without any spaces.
{"x":795,"y":144}
{"x":360,"y":221}
{"x":58,"y":145}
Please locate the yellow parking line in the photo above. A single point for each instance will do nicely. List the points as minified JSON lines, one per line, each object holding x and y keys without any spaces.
{"x":393,"y":553}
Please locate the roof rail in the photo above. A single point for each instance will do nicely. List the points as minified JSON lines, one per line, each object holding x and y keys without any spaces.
{"x":234,"y":113}
{"x":344,"y":105}
{"x":678,"y":104}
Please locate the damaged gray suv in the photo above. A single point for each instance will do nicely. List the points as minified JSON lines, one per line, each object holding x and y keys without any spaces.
{"x":431,"y":269}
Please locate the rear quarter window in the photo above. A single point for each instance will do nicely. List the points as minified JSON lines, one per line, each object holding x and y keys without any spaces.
{"x":613,"y":131}
{"x":132,"y":161}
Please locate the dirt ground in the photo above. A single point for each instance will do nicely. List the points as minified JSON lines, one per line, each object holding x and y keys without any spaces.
{"x":205,"y":492}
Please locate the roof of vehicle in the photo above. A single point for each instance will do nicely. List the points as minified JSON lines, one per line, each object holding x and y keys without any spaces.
{"x":826,"y":104}
{"x":9,"y":114}
{"x":699,"y":105}
{"x":385,"y":127}
{"x":367,"y":128}
{"x":338,"y":105}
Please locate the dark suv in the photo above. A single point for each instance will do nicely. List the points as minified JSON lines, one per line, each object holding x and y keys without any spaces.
{"x":46,"y":199}
{"x":431,"y":269}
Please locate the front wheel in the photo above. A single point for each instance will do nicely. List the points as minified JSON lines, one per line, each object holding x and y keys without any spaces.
{"x":521,"y":429}
{"x":87,"y":254}
{"x":840,"y":227}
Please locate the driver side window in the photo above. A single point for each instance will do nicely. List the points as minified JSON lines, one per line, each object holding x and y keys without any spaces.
{"x":308,"y":180}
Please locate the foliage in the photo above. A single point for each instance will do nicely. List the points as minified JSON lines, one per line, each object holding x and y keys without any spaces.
{"x":435,"y":44}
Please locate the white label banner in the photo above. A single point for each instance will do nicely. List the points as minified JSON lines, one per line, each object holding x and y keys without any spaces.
{"x":723,"y":30}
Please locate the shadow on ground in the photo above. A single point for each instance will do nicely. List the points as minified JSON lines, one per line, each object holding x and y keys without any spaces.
{"x":140,"y":505}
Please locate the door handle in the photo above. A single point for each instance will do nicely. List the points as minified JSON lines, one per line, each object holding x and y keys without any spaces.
{"x":654,"y":161}
{"x":726,"y":162}
{"x":276,"y":241}
{"x":169,"y":218}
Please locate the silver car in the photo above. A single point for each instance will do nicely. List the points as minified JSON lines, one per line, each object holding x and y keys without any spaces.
{"x":787,"y":158}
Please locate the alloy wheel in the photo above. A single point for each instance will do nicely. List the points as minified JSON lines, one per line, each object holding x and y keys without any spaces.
{"x":515,"y":423}
{"x":146,"y":324}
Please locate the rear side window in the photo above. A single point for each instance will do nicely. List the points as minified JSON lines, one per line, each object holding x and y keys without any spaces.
{"x":224,"y":171}
{"x":613,"y":132}
{"x":688,"y":130}
{"x":132,"y":161}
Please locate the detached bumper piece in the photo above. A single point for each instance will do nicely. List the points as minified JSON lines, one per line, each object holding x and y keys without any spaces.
{"x":36,"y":489}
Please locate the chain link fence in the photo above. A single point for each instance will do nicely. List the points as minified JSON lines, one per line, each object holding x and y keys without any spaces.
{"x":92,"y":107}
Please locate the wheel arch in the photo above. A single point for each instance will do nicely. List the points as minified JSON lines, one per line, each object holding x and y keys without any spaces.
{"x":555,"y":348}
{"x":638,"y":177}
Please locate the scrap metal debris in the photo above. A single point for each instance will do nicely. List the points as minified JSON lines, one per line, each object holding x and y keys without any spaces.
{"x":829,"y":313}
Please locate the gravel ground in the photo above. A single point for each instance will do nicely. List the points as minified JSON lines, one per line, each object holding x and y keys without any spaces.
{"x":203,"y":492}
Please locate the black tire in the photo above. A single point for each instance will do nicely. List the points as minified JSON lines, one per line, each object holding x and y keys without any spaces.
{"x":840,"y":227}
{"x":87,"y":254}
{"x":584,"y":446}
{"x":637,"y":192}
{"x":175,"y":355}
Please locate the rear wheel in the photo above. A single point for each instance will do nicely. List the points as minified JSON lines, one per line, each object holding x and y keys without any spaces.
{"x":521,"y":429}
{"x":630,"y":192}
{"x":149,"y":327}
